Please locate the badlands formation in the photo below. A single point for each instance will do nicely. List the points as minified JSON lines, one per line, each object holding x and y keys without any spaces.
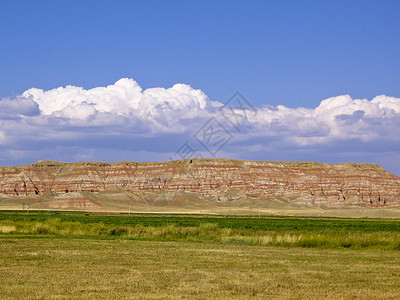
{"x":197,"y":182}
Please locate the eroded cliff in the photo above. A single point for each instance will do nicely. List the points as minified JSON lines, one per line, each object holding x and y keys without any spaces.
{"x":213,"y":180}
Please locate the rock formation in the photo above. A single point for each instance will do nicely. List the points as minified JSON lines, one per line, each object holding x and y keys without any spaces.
{"x":217,"y":180}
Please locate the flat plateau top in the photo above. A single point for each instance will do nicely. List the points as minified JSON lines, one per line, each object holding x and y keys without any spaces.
{"x":210,"y":161}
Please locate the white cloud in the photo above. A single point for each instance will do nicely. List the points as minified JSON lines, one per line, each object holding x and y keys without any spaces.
{"x":12,"y":108}
{"x":122,"y":98}
{"x":336,"y":118}
{"x":123,"y":115}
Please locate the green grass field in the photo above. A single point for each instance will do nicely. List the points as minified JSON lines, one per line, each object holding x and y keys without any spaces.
{"x":89,"y":255}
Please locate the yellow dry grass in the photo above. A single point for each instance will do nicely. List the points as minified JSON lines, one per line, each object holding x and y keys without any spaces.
{"x":116,"y":269}
{"x":7,"y":228}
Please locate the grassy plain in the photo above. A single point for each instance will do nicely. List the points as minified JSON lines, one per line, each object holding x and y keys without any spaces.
{"x":308,"y":232}
{"x":90,"y":255}
{"x":114,"y":269}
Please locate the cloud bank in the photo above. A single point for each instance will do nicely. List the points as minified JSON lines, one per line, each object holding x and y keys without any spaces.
{"x":124,"y":122}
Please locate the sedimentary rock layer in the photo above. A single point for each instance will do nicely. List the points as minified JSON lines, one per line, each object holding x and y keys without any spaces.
{"x":219,"y":180}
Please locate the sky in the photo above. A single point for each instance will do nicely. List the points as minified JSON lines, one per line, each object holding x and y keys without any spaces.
{"x":158,"y":80}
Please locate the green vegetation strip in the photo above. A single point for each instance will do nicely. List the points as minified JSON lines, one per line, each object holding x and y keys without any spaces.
{"x":327,"y":233}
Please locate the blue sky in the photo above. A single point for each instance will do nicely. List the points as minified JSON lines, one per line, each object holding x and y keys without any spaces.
{"x":288,"y":53}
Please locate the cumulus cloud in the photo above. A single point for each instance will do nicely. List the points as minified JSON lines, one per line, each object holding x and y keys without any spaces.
{"x":336,"y":118}
{"x":125,"y":98}
{"x":13,"y":108}
{"x":124,"y":117}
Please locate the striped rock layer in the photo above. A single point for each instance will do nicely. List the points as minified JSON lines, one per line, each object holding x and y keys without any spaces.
{"x":221,"y":180}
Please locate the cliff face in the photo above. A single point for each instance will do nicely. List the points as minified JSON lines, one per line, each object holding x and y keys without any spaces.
{"x":219,"y":180}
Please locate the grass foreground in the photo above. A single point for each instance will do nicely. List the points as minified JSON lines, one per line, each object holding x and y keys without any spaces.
{"x":115,"y":269}
{"x":88,"y":255}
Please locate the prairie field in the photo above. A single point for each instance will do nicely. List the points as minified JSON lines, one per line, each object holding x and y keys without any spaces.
{"x":89,"y":255}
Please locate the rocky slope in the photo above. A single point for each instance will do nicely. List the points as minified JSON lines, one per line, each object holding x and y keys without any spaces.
{"x":212,"y":180}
